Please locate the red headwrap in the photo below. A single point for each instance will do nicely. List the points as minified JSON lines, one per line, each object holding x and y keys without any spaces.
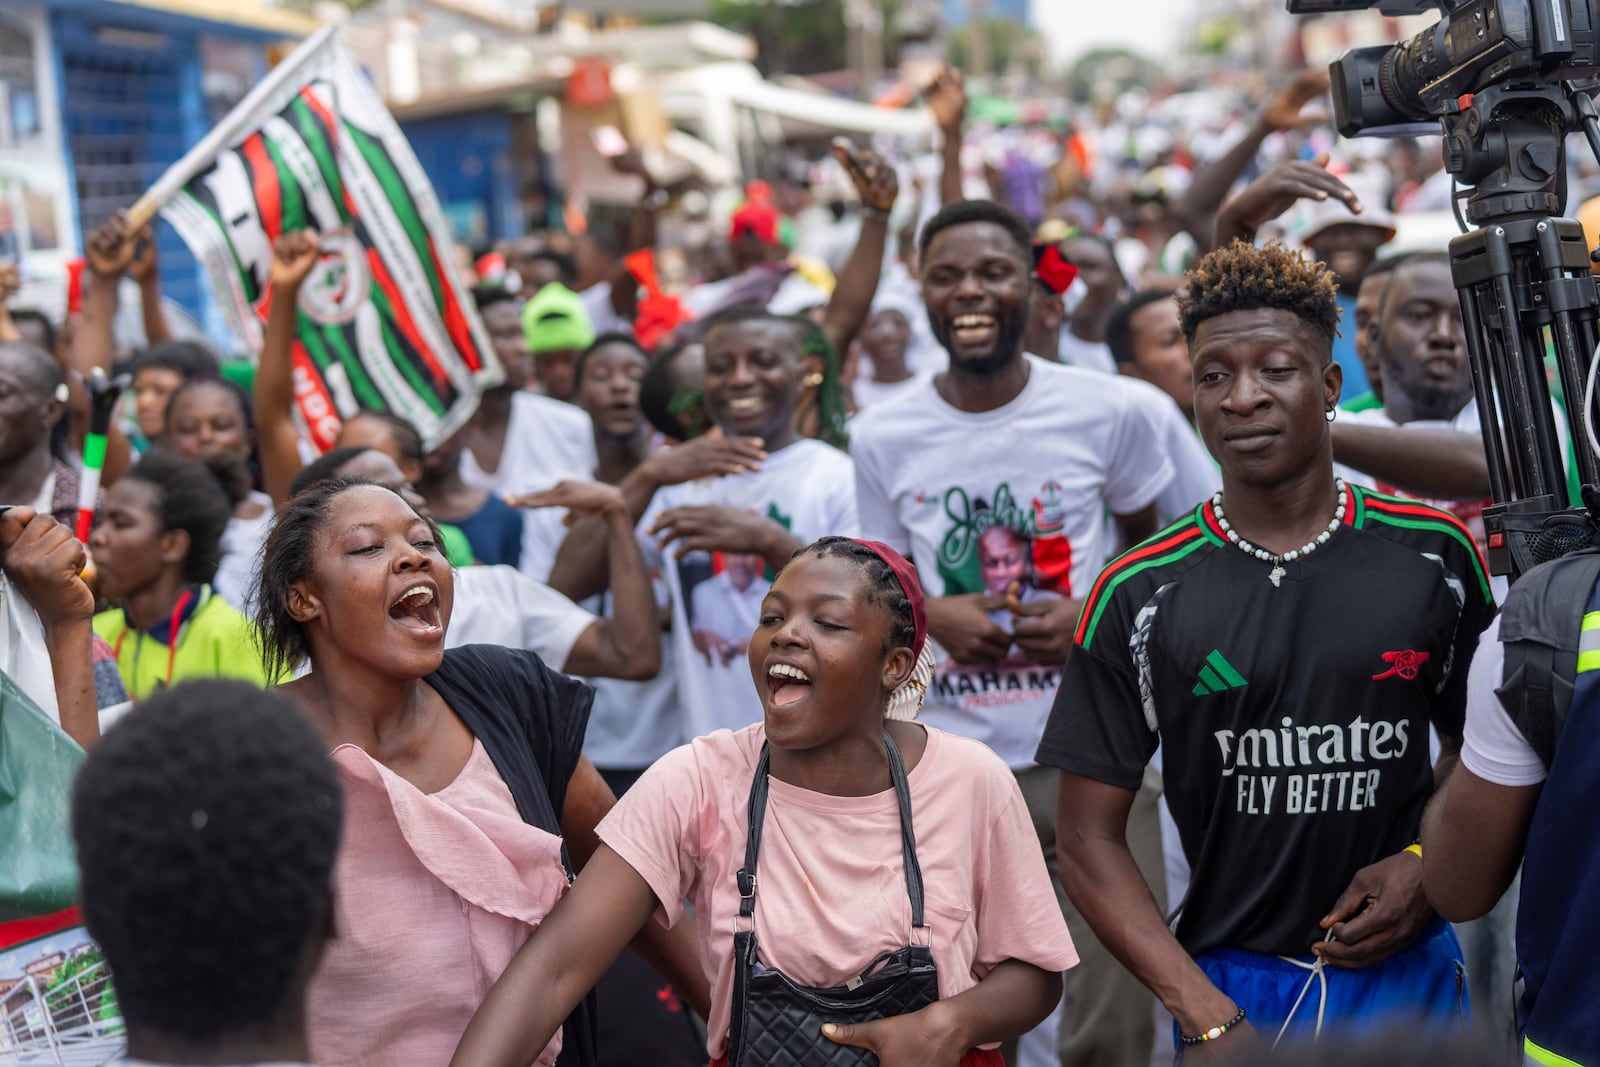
{"x":907,"y":576}
{"x":1052,"y":268}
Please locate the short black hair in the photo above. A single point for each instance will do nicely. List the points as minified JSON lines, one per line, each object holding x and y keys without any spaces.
{"x":324,"y":467}
{"x":886,"y":591}
{"x":287,"y":558}
{"x":407,"y":439}
{"x":1119,"y":328}
{"x":614,"y":337}
{"x":566,"y":266}
{"x":207,"y":824}
{"x":191,"y":359}
{"x":1406,"y":262}
{"x":1385,"y":264}
{"x":39,"y":319}
{"x":1242,"y":277}
{"x":191,"y":498}
{"x":963,"y":212}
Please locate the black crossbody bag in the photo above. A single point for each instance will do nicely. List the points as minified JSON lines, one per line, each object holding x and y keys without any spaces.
{"x":777,"y":1022}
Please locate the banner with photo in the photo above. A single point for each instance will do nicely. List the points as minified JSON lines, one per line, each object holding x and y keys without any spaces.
{"x":384,"y":324}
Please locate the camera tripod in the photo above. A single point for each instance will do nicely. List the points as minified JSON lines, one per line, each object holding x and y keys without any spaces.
{"x":1525,"y":287}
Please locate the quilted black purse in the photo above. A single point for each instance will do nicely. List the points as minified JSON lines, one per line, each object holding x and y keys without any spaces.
{"x":777,"y":1022}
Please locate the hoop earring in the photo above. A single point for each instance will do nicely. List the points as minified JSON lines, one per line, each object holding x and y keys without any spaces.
{"x":1331,"y":414}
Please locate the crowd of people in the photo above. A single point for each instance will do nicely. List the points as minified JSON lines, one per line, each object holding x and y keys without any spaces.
{"x":1067,"y":589}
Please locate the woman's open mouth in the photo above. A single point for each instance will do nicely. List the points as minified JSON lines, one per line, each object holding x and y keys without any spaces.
{"x":417,"y":611}
{"x":787,"y":684}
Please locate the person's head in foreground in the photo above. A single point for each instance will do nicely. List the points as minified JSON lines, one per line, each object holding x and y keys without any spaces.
{"x":1260,"y":324}
{"x":206,"y":825}
{"x":353,"y":575}
{"x":753,"y":375}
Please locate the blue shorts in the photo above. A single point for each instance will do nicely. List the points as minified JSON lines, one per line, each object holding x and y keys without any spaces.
{"x":1426,"y":984}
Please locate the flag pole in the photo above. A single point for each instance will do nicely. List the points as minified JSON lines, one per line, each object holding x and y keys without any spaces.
{"x":243,"y":115}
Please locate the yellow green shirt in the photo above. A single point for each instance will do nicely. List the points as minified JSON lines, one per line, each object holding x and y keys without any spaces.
{"x":212,"y":641}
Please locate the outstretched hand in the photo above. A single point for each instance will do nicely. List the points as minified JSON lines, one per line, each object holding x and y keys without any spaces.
{"x":1276,"y":192}
{"x":579,"y":498}
{"x":962,"y":625}
{"x":710,"y":455}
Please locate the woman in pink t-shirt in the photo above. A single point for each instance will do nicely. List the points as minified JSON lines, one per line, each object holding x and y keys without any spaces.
{"x":835,"y":660}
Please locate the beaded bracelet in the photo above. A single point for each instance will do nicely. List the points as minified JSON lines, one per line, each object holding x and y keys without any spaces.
{"x":1215,"y":1032}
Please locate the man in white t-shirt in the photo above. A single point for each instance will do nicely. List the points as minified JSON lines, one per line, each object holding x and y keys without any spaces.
{"x":1000,"y":439}
{"x":801,"y":491}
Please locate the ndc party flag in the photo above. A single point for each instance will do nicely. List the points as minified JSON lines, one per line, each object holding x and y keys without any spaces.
{"x":384,"y":323}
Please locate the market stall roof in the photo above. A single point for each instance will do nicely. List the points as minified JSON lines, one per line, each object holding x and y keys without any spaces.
{"x":744,"y":86}
{"x":244,"y":14}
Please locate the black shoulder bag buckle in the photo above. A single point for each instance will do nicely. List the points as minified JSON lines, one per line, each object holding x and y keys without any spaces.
{"x":777,"y":1022}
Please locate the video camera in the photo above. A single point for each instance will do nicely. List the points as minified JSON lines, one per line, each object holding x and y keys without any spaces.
{"x":1505,"y":81}
{"x":1479,"y":43}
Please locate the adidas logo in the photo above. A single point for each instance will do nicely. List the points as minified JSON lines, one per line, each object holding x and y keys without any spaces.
{"x":1217,"y":676}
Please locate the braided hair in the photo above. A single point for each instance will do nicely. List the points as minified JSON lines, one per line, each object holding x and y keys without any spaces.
{"x":884,"y":590}
{"x":206,"y":824}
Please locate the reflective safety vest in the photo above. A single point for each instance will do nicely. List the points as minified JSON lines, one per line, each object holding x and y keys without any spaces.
{"x":1551,"y":630}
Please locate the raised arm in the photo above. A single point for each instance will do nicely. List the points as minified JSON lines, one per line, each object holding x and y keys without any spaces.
{"x":580,"y":566}
{"x":1196,"y":210}
{"x":1438,"y":464}
{"x":1275,"y":192}
{"x":43,"y":560}
{"x":10,"y":282}
{"x":581,"y":937}
{"x":851,"y":302}
{"x":628,"y":644}
{"x":947,"y":98}
{"x":293,"y":256}
{"x":109,"y":250}
{"x":146,"y":270}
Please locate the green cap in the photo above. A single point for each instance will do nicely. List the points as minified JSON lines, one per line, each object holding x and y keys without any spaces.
{"x":555,"y":319}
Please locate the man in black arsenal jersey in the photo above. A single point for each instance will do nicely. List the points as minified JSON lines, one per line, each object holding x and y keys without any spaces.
{"x":1289,"y":644}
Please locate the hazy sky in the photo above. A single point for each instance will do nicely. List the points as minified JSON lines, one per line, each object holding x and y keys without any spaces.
{"x":1074,"y":26}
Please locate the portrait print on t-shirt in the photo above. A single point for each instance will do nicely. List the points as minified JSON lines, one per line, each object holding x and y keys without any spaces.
{"x":725,"y":591}
{"x":1007,"y":549}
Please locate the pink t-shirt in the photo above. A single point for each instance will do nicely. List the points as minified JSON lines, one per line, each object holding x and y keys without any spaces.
{"x":832,"y":891}
{"x":434,"y":894}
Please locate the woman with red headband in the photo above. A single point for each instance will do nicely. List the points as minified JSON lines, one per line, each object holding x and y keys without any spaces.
{"x":902,"y":908}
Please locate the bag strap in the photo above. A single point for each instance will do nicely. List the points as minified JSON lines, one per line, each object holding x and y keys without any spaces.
{"x":756,"y":812}
{"x":1540,"y":625}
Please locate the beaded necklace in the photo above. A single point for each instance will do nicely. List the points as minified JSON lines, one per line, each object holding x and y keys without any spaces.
{"x":1277,"y":561}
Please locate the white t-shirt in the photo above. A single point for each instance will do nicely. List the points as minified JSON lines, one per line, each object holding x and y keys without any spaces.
{"x":1090,"y":355}
{"x":632,"y":724}
{"x":869,"y":393}
{"x":603,"y":318}
{"x":547,"y":441}
{"x":1017,"y":493}
{"x":500,"y":605}
{"x":242,"y":542}
{"x":806,"y":487}
{"x":1492,"y":747}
